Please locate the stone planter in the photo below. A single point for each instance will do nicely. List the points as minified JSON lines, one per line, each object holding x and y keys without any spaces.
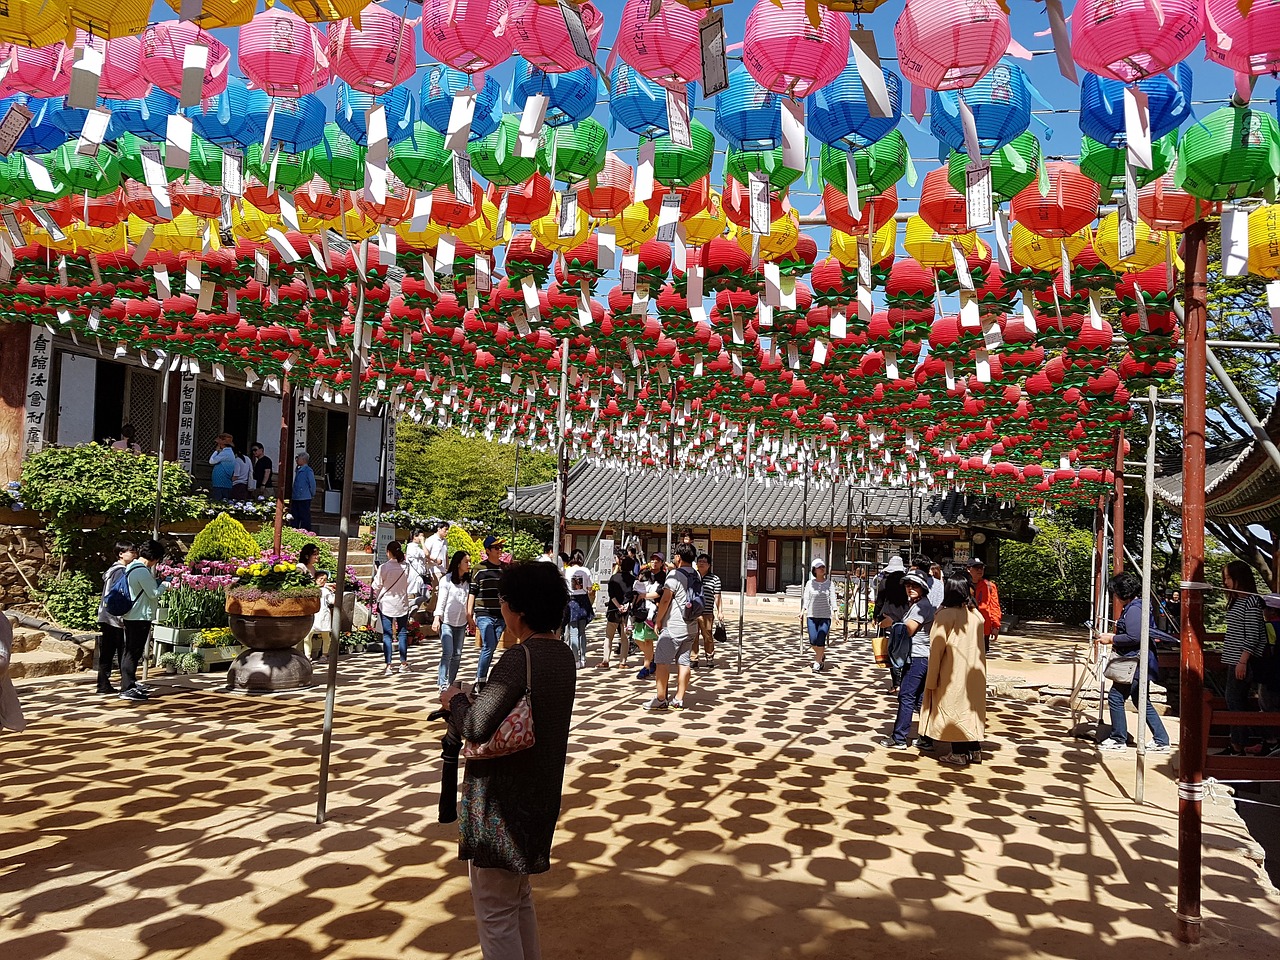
{"x":270,"y":630}
{"x":177,"y":639}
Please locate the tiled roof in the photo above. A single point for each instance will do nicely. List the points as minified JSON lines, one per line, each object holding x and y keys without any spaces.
{"x":598,"y":494}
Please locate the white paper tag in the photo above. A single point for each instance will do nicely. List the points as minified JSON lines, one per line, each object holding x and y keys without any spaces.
{"x":421,"y":211}
{"x":963,"y":276}
{"x":606,"y":248}
{"x":644,"y":172}
{"x":1235,"y":242}
{"x":568,"y":225}
{"x":891,"y":364}
{"x":531,"y":121}
{"x":970,"y":127}
{"x":793,"y":145}
{"x":820,"y":351}
{"x":282,"y":244}
{"x":715,"y":69}
{"x":161,"y":274}
{"x":870,"y":73}
{"x":177,"y":142}
{"x":86,"y":75}
{"x":668,"y":217}
{"x":1273,"y":305}
{"x":50,"y":225}
{"x":14,"y":124}
{"x":462,"y":179}
{"x":1137,"y":127}
{"x":970,"y":315}
{"x":14,"y":226}
{"x":92,"y":133}
{"x":1003,"y":259}
{"x":839,"y":325}
{"x":446,"y":247}
{"x":758,"y":185}
{"x":460,"y":116}
{"x":143,"y":246}
{"x":195,"y":62}
{"x":991,"y":335}
{"x":977,"y":194}
{"x":627,"y":273}
{"x":678,"y":118}
{"x":38,"y":174}
{"x":233,"y":171}
{"x":1127,"y":239}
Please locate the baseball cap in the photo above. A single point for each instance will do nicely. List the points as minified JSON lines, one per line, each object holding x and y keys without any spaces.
{"x":895,"y":565}
{"x":491,"y":542}
{"x":975,"y":562}
{"x":658,"y":555}
{"x":818,"y":562}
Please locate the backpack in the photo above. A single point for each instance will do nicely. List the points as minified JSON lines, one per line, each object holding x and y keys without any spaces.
{"x":694,"y":605}
{"x":119,"y":600}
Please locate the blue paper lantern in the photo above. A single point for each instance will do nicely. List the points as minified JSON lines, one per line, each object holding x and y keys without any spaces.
{"x":44,"y":132}
{"x":838,"y":113}
{"x":435,"y":102}
{"x":216,"y":118}
{"x":350,"y":106}
{"x":298,"y":125}
{"x":570,"y":96}
{"x":638,"y":104}
{"x":147,"y":118}
{"x":748,"y":115}
{"x":70,"y":120}
{"x":1001,"y":106}
{"x":1102,"y":105}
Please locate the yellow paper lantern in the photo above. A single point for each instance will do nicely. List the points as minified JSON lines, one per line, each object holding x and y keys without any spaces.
{"x":1045,"y":253}
{"x":634,"y":226}
{"x":33,"y":23}
{"x":546,"y":231}
{"x":352,"y":224}
{"x":1264,"y":241}
{"x":96,"y":239}
{"x":479,"y":232}
{"x":419,"y":239}
{"x":37,"y":237}
{"x":844,"y":246}
{"x":109,"y":18}
{"x":706,"y":225}
{"x":327,"y":11}
{"x":250,"y":223}
{"x":932,"y":250}
{"x":781,"y":240}
{"x":220,"y":13}
{"x":183,"y":234}
{"x":1150,"y":246}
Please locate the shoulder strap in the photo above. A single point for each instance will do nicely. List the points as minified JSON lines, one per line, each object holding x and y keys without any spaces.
{"x":528,"y":669}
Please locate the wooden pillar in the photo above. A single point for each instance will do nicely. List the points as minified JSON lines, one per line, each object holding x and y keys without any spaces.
{"x":15,"y":348}
{"x":1117,"y":523}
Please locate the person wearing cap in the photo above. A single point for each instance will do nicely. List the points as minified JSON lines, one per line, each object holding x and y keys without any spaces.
{"x":484,"y":607}
{"x":890,"y":607}
{"x":816,"y":606}
{"x":987,"y":597}
{"x":674,"y":647}
{"x":919,"y":621}
{"x":582,"y":598}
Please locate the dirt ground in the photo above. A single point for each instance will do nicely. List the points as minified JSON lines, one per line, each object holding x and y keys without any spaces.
{"x":762,"y":822}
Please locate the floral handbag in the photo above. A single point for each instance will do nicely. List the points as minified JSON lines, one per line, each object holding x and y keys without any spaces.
{"x":515,"y":732}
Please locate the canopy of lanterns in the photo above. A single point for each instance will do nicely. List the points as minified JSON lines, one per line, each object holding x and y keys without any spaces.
{"x":228,"y":187}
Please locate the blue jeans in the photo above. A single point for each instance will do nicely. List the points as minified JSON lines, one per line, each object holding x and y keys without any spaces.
{"x":819,"y":627}
{"x":220,"y":494}
{"x":910,"y":690}
{"x":490,"y":628}
{"x":451,"y":641}
{"x":1119,"y":724}
{"x":577,"y":637}
{"x":401,"y":625}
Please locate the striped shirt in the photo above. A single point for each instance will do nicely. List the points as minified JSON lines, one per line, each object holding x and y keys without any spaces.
{"x":817,"y":601}
{"x":484,"y":587}
{"x":1246,"y":629}
{"x":711,"y":588}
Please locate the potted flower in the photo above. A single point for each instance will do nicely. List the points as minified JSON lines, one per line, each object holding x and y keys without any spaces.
{"x":216,"y":645}
{"x":270,"y":609}
{"x":169,"y":662}
{"x":194,"y":600}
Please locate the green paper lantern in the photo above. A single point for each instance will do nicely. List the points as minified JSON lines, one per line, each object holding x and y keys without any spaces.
{"x":420,"y":160}
{"x":129,"y":152}
{"x":740,"y":164}
{"x":1230,"y":154}
{"x":292,"y":169}
{"x":206,"y":162}
{"x":338,"y":160}
{"x":879,"y":166}
{"x":573,"y":153}
{"x":494,"y":157}
{"x":1105,"y":165}
{"x":1014,"y":167}
{"x":675,"y":166}
{"x":94,"y":176}
{"x":15,"y":185}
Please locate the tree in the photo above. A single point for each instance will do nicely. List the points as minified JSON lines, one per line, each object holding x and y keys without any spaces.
{"x":1056,"y":565}
{"x":446,"y":474}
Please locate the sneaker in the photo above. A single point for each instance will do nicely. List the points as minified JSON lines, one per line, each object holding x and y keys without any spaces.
{"x":892,"y":744}
{"x":404,"y":668}
{"x":388,"y":671}
{"x":709,"y":664}
{"x":657,"y":703}
{"x":1113,"y":745}
{"x":132,"y":694}
{"x":146,"y":688}
{"x":645,"y":673}
{"x":924,"y":743}
{"x":677,"y":704}
{"x":1153,"y":747}
{"x":817,"y":667}
{"x":955,"y":759}
{"x":1275,"y":751}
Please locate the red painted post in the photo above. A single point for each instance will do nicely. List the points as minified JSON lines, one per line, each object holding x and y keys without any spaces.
{"x":1191,"y":748}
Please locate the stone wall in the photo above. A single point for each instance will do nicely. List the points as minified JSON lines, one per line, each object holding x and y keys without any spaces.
{"x":24,"y":558}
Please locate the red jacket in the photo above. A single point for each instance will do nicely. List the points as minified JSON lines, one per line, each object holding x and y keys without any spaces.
{"x":988,"y":599}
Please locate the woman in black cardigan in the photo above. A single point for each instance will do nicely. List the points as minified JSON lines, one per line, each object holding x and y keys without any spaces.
{"x":510,"y":804}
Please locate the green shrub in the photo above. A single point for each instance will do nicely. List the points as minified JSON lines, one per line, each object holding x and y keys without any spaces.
{"x":524,"y":546}
{"x":292,"y":541}
{"x":225,"y":538}
{"x":71,"y":599}
{"x":459,"y":539}
{"x":115,"y":490}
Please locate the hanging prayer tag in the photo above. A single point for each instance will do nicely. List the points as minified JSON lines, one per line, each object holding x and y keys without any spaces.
{"x":572,"y":15}
{"x":839,"y":325}
{"x":568,"y":214}
{"x":852,"y":197}
{"x":1137,"y":127}
{"x":627,"y":273}
{"x":644,"y":171}
{"x":891,"y":364}
{"x":963,"y":276}
{"x":870,"y":73}
{"x":793,"y":143}
{"x":92,"y":133}
{"x":977,"y":194}
{"x":1235,"y":242}
{"x":1128,"y":234}
{"x":819,"y":352}
{"x":233,"y":171}
{"x":970,"y":125}
{"x":462,"y":179}
{"x":14,"y":226}
{"x":669,"y":217}
{"x":459,"y":131}
{"x":1273,"y":304}
{"x":715,"y":69}
{"x":195,"y":62}
{"x":177,"y":142}
{"x":531,"y":121}
{"x":864,"y":261}
{"x":607,"y":247}
{"x":678,"y":119}
{"x":500,"y":222}
{"x":12,"y":127}
{"x":421,"y":212}
{"x":759,"y":187}
{"x":86,"y":74}
{"x":161,"y":275}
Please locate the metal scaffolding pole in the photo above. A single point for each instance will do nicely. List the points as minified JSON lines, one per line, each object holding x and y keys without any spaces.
{"x":344,"y":542}
{"x":287,"y":400}
{"x":164,"y":430}
{"x":562,"y":481}
{"x":1259,"y":431}
{"x":742,"y":586}
{"x":1144,"y":669}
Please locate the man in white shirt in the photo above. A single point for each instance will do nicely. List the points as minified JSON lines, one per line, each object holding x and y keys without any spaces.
{"x":437,"y":551}
{"x":674,"y":647}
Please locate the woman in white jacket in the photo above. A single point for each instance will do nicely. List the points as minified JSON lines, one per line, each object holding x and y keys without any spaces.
{"x":393,"y":585}
{"x":452,"y":621}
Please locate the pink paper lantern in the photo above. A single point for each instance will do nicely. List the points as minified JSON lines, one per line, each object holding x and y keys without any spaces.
{"x":1132,"y":39}
{"x":785,"y":53}
{"x":1246,"y":44}
{"x":122,"y":78}
{"x":542,"y":38}
{"x":42,"y":71}
{"x":378,"y":55}
{"x":666,"y":48}
{"x":470,"y":37}
{"x":950,"y":44}
{"x":283,"y":55}
{"x":165,"y":44}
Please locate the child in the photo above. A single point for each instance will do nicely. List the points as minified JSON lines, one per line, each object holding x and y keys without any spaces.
{"x":322,"y":626}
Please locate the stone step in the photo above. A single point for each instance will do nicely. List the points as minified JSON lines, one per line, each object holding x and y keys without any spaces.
{"x":45,"y":663}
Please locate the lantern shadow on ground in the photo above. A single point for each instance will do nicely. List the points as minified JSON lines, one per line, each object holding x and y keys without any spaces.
{"x":760,"y":822}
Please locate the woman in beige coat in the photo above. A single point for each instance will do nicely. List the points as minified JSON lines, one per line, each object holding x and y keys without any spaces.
{"x":10,"y":712}
{"x":955,"y":689}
